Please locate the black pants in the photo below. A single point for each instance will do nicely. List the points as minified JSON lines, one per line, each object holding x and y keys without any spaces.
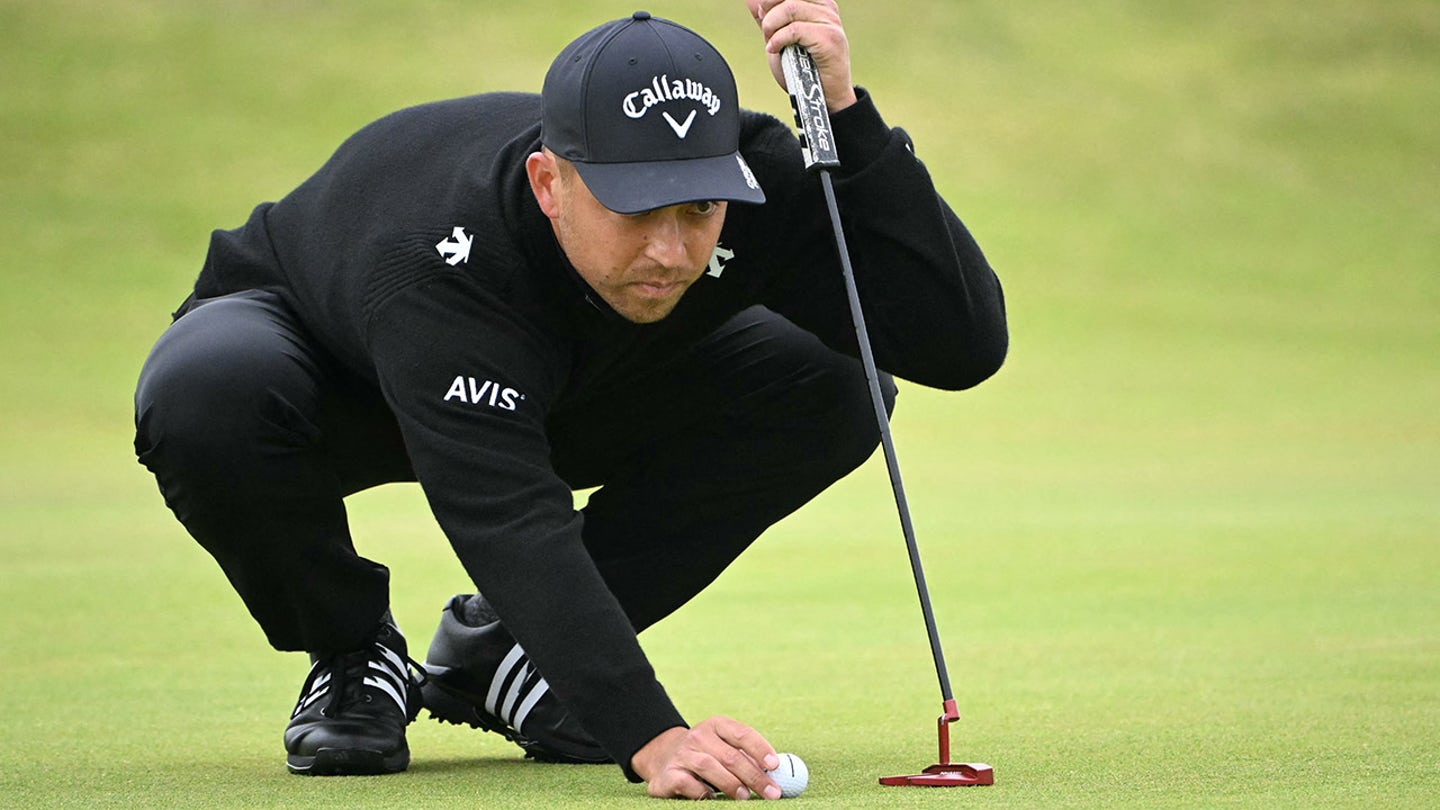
{"x":255,"y":437}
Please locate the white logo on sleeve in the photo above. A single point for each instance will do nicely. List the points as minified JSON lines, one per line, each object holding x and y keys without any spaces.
{"x":483,"y":392}
{"x":456,"y":248}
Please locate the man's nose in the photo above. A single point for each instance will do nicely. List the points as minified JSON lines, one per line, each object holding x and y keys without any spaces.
{"x":665,"y":240}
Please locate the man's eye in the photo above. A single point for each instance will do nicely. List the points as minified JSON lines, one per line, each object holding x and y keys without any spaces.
{"x":705,"y":207}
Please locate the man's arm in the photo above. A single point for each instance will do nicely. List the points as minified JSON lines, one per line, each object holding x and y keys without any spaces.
{"x":470,"y":383}
{"x":935,"y":308}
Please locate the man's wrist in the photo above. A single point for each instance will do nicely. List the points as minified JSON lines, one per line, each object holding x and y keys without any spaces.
{"x":651,"y":757}
{"x":835,"y":105}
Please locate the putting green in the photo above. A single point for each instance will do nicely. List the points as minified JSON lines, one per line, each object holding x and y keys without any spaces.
{"x":1183,"y":549}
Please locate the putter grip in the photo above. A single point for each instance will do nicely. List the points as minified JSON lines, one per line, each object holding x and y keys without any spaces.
{"x":807,"y":99}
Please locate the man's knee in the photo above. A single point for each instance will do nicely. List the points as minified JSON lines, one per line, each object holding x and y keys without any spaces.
{"x":216,"y":389}
{"x":840,"y":425}
{"x":860,"y":422}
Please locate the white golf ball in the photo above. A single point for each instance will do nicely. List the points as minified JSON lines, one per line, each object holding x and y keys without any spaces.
{"x":792,"y":776}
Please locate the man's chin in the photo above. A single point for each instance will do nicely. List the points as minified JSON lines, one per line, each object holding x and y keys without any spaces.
{"x":651,"y":313}
{"x":642,"y":309}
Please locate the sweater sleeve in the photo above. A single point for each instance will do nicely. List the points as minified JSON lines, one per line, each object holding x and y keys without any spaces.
{"x":934,"y":309}
{"x":470,"y":383}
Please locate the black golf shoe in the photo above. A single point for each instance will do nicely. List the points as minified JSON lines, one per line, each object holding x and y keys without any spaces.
{"x":477,"y":675}
{"x":353,"y":709}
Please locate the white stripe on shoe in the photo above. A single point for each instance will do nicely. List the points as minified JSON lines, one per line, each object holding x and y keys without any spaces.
{"x":389,"y":674}
{"x":525,"y":688}
{"x":385,"y":670}
{"x":514,"y":658}
{"x":388,"y":688}
{"x":541,"y":687}
{"x":507,"y":708}
{"x":319,"y":689}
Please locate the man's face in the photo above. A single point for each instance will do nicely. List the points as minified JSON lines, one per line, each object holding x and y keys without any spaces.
{"x":640,"y":264}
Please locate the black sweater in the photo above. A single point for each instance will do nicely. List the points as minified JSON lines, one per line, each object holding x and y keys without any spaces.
{"x":474,"y":356}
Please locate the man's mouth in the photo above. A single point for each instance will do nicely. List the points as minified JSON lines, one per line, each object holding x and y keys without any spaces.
{"x":658,"y":289}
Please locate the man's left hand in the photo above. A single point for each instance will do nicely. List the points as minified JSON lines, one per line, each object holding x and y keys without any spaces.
{"x":815,"y":26}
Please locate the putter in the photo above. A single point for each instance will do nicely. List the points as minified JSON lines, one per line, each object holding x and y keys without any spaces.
{"x":817,"y":145}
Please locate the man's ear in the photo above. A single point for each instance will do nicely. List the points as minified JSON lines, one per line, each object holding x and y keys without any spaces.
{"x":544,"y":176}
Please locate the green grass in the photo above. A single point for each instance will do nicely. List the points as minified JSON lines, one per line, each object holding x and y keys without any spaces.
{"x":1185,"y":549}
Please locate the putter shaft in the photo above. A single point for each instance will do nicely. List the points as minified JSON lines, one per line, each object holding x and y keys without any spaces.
{"x":882,"y":419}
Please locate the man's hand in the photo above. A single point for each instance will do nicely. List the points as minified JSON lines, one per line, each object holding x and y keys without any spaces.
{"x":719,"y":755}
{"x":814,"y":25}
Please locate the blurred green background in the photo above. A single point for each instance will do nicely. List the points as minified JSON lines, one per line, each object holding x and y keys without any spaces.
{"x":1184,"y":549}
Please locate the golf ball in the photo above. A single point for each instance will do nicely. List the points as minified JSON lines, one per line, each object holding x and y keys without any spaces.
{"x":792,"y":776}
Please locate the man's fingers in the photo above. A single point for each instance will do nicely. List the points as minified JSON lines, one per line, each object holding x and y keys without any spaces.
{"x":778,"y":16}
{"x":681,"y":786}
{"x":718,"y":755}
{"x":746,"y":739}
{"x":826,"y":44}
{"x":815,"y":25}
{"x":697,"y":775}
{"x":742,"y":755}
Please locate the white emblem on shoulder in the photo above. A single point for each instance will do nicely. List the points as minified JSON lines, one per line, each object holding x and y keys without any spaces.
{"x":456,"y":248}
{"x":721,"y":255}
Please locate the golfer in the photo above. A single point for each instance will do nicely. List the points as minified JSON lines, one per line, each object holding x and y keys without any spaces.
{"x":625,"y":282}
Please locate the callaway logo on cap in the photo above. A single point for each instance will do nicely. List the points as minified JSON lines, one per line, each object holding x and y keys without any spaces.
{"x":647,"y":112}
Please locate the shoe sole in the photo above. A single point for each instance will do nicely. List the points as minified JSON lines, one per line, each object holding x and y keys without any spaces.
{"x":348,"y":762}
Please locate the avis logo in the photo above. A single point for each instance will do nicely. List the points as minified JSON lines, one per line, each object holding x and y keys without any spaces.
{"x":483,"y":392}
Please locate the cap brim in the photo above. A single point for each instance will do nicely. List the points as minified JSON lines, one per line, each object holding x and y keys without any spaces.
{"x":630,"y":188}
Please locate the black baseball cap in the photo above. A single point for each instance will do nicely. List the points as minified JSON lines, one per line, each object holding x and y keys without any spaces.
{"x":647,"y":112}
